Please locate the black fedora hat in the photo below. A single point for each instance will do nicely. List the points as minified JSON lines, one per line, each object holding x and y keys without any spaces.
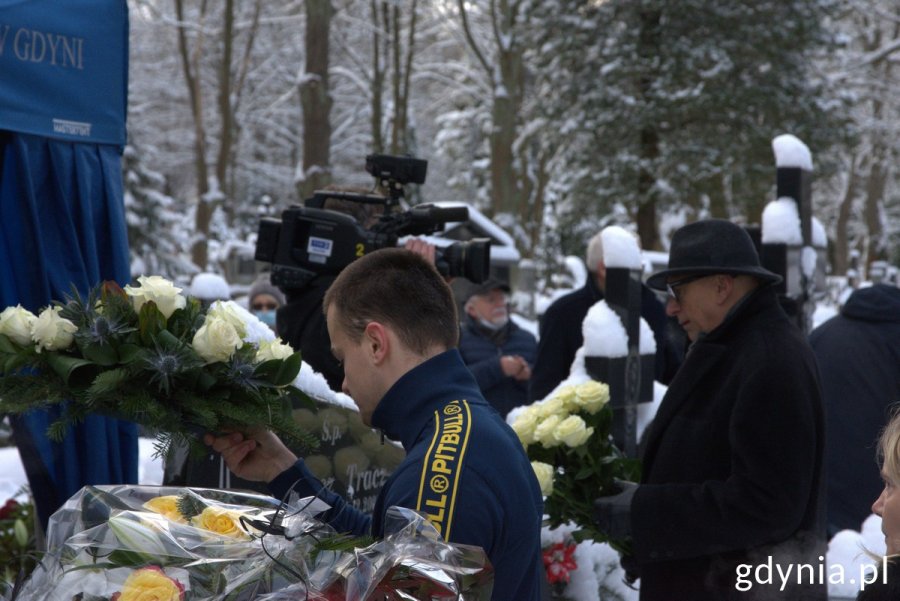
{"x":709,"y":247}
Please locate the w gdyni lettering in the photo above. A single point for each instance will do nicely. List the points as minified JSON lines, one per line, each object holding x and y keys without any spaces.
{"x":31,"y":45}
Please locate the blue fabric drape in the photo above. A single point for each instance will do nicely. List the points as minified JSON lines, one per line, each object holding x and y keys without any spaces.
{"x":62,"y":224}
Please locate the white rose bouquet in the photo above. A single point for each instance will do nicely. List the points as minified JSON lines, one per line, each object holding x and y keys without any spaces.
{"x":151,"y":355}
{"x":567,"y":437}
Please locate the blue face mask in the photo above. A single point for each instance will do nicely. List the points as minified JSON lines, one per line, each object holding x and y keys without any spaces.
{"x":267,"y":317}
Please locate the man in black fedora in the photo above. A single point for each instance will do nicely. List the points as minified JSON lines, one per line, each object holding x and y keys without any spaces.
{"x":732,"y":463}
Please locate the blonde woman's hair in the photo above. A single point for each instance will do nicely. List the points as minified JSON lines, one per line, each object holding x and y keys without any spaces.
{"x":889,"y":447}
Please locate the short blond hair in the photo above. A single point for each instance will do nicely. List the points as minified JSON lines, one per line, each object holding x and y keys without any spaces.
{"x":889,"y":447}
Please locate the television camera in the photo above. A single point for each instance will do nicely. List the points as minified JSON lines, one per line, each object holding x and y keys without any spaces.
{"x":310,"y":240}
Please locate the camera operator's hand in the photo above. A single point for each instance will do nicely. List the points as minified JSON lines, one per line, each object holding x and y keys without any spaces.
{"x":258,"y":458}
{"x":420,"y":247}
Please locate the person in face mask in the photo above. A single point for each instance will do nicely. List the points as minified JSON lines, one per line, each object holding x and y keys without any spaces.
{"x":499,"y":353}
{"x":264,"y":299}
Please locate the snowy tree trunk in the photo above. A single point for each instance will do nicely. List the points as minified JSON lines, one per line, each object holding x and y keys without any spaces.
{"x":190,"y":65}
{"x":841,"y":236}
{"x":315,"y":98}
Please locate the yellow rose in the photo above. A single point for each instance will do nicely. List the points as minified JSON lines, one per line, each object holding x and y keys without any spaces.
{"x":543,"y":433}
{"x":221,"y":521}
{"x":319,"y":465}
{"x":544,"y":473}
{"x":552,"y":406}
{"x":151,"y":584}
{"x":167,"y":506}
{"x":349,"y":462}
{"x":524,"y":426}
{"x":159,"y":290}
{"x":572,"y":431}
{"x":592,"y":396}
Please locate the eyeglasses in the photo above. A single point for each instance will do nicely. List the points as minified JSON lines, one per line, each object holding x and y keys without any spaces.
{"x":672,"y":287}
{"x":263,"y":306}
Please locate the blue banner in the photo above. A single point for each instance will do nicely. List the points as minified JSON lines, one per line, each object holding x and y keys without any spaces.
{"x":64,"y":68}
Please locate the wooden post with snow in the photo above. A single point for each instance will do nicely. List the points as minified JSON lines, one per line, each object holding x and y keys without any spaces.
{"x":627,"y":371}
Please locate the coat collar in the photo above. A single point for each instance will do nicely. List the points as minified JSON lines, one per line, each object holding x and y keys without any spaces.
{"x":409,"y":405}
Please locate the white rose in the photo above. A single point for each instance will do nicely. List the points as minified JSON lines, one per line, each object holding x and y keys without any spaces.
{"x":552,"y":406}
{"x":275,"y":349}
{"x":543,"y":433}
{"x":52,"y":332}
{"x":216,"y":340}
{"x":16,"y":324}
{"x":159,"y":290}
{"x":572,"y":431}
{"x":227,"y":311}
{"x":524,"y":426}
{"x":567,"y":395}
{"x":544,"y":473}
{"x":592,"y":396}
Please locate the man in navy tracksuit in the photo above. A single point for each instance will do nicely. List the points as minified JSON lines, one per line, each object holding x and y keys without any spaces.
{"x":392,"y":323}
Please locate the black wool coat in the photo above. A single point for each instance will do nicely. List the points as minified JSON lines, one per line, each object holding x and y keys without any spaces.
{"x":733,"y":464}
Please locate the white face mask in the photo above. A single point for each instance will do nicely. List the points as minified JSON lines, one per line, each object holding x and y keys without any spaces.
{"x":494,"y":325}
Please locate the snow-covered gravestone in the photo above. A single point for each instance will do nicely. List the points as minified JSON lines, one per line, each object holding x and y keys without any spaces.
{"x":613,"y":348}
{"x":793,"y":240}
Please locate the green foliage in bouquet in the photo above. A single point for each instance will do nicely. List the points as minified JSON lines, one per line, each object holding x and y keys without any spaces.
{"x":567,"y":438}
{"x":18,"y":555}
{"x":149,"y":355}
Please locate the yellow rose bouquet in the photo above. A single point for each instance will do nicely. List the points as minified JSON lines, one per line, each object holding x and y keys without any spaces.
{"x":150,"y":355}
{"x":143,"y":543}
{"x":567,"y":437}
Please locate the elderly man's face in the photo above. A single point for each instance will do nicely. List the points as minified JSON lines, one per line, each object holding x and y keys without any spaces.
{"x":491,"y":307}
{"x":692,"y":300}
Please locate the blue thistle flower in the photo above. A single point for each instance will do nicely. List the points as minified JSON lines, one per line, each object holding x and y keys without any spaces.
{"x":166,"y":365}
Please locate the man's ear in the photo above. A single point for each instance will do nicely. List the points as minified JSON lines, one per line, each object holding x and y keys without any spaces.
{"x":377,"y":342}
{"x":724,"y":288}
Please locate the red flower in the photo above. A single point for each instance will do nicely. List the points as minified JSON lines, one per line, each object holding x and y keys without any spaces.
{"x":559,"y":560}
{"x":8,"y":509}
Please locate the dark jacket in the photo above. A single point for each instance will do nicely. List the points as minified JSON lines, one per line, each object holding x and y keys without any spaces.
{"x":497,"y":503}
{"x":561,"y":336}
{"x":481,"y":352}
{"x":733,"y":463}
{"x":858,"y":353}
{"x":301,"y":323}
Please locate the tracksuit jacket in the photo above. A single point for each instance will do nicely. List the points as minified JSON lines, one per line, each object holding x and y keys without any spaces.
{"x":478,"y":487}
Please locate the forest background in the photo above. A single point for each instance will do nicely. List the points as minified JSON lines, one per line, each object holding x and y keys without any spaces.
{"x":553,"y":117}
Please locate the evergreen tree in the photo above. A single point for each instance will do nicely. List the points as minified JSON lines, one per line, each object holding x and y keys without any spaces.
{"x":156,"y":226}
{"x":660,"y":105}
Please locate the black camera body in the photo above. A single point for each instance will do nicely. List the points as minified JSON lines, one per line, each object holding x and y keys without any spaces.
{"x":309,"y":241}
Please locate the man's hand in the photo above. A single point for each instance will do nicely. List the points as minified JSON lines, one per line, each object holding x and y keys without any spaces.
{"x":612,"y":514}
{"x":420,"y":247}
{"x":259,"y":458}
{"x":514,"y":366}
